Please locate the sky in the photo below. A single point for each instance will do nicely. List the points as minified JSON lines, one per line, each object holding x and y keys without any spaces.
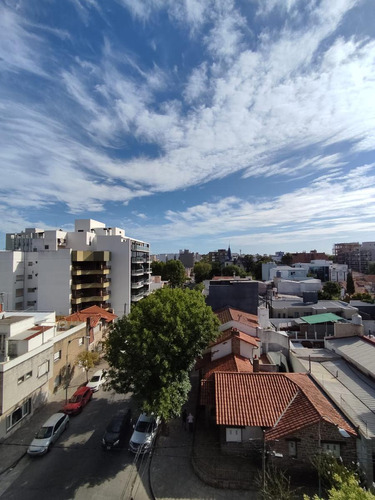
{"x":191,"y":124}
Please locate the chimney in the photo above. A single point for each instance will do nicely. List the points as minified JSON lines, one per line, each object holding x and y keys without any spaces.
{"x":255,"y":364}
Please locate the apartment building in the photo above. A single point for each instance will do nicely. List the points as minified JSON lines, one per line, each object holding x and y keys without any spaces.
{"x":69,"y":271}
{"x":356,"y":255}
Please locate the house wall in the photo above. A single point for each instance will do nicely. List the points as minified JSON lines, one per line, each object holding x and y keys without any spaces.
{"x":15,"y":393}
{"x":272,"y":340}
{"x":12,"y":278}
{"x":308,"y":445}
{"x":220,"y":350}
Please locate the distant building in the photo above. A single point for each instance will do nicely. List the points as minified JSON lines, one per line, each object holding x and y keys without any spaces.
{"x":68,"y":271}
{"x":239,"y":294}
{"x":357,"y":256}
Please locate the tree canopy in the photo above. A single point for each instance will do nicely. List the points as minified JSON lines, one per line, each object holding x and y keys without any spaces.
{"x":87,"y":360}
{"x":331,"y":290}
{"x":233,"y":270}
{"x":175,"y":273}
{"x":151,"y":351}
{"x":202,"y":271}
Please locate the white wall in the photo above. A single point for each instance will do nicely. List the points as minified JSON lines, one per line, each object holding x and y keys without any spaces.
{"x":220,"y":350}
{"x":11,"y":270}
{"x":54,"y":281}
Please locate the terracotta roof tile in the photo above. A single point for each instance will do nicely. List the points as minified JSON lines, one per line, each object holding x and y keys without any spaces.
{"x":229,"y":363}
{"x":282,"y":402}
{"x":231,"y":314}
{"x":231,"y":332}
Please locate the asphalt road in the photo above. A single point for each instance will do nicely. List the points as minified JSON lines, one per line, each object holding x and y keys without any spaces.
{"x":77,"y":467}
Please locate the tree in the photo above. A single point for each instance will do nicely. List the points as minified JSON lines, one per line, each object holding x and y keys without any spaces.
{"x":158,"y":269}
{"x":371,"y":268}
{"x":346,"y":488}
{"x":215,"y":269}
{"x":87,"y":360}
{"x":287,"y":259}
{"x":350,"y":289}
{"x":202,"y":271}
{"x":331,"y":289}
{"x":175,"y":273}
{"x":248,"y":262}
{"x":151,"y":351}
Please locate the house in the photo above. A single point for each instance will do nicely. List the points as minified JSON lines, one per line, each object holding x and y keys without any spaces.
{"x":33,"y":353}
{"x":92,"y":265}
{"x":98,"y":321}
{"x":345,"y":370}
{"x":279,"y":417}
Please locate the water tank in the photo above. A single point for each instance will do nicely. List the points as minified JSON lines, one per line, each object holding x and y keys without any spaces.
{"x":357,"y":319}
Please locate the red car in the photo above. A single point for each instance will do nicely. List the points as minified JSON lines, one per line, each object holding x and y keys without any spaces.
{"x":79,"y":399}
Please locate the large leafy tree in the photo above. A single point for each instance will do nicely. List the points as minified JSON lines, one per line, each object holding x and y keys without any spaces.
{"x":233,"y":270}
{"x":175,"y":273}
{"x":331,"y":290}
{"x":158,"y":269}
{"x":151,"y":351}
{"x":202,"y":271}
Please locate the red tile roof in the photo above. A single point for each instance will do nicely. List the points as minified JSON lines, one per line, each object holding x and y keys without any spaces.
{"x":231,"y":332}
{"x":281,"y":402}
{"x":229,"y":363}
{"x":231,"y":314}
{"x":95,"y":313}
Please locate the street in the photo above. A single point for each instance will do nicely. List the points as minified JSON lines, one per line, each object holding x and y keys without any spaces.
{"x":77,"y":467}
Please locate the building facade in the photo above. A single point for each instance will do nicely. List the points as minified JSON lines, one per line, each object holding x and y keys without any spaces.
{"x":69,"y":271}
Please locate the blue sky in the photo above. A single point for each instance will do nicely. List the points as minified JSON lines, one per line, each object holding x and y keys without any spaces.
{"x":190,"y":124}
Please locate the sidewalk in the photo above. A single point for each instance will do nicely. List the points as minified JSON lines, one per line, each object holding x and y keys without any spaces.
{"x":172,"y":474}
{"x":12,"y":449}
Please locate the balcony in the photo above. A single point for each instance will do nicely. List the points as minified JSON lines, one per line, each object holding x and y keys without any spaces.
{"x":138,"y":260}
{"x":90,"y":298}
{"x":90,"y":272}
{"x":137,"y":297}
{"x":147,"y":270}
{"x":84,"y":286}
{"x":137,"y":272}
{"x":137,"y":284}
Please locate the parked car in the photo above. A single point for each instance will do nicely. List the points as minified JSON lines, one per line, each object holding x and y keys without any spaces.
{"x":78,"y":401}
{"x":48,"y":434}
{"x":144,"y":433}
{"x":116,"y":430}
{"x":97,"y":380}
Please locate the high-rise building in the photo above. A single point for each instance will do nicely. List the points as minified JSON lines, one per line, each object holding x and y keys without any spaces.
{"x":68,"y":271}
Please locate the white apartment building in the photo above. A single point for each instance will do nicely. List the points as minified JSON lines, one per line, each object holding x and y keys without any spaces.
{"x":68,"y":271}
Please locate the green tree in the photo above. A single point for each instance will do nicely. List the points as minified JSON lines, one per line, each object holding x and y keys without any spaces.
{"x":287,"y":259}
{"x":87,"y":360}
{"x":215,"y":269}
{"x":371,"y":268}
{"x":350,"y":284}
{"x":151,"y":351}
{"x":331,"y":289}
{"x":233,"y":270}
{"x":158,"y":269}
{"x":202,"y":271}
{"x":175,"y":273}
{"x":249,"y":264}
{"x":346,"y":488}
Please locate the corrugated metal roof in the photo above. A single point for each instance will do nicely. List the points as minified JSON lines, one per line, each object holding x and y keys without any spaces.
{"x":321,"y":318}
{"x":357,"y":350}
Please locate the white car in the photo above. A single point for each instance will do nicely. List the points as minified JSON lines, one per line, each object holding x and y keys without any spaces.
{"x":48,"y":434}
{"x":97,"y":380}
{"x":144,"y":433}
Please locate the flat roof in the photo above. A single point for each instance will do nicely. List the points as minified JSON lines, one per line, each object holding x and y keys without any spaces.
{"x":314,"y":319}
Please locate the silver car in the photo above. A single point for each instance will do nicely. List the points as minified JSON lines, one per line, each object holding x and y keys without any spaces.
{"x":144,"y":433}
{"x":50,"y":431}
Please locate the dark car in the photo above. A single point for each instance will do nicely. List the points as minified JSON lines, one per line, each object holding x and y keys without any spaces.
{"x":116,"y":430}
{"x":79,"y":399}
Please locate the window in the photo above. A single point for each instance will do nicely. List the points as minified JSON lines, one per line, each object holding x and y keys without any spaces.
{"x":20,"y":379}
{"x":29,"y":263}
{"x":57,"y":356}
{"x":292,"y":448}
{"x":28,"y":375}
{"x":18,"y":414}
{"x":46,"y":247}
{"x":19,"y":292}
{"x":332,"y":448}
{"x":19,"y":277}
{"x":43,"y":369}
{"x":30,"y":290}
{"x":233,"y":435}
{"x":29,"y":276}
{"x":31,"y":302}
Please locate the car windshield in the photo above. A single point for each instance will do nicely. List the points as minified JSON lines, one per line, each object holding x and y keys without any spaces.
{"x":114,"y":426}
{"x":44,"y":433}
{"x":143,"y":426}
{"x":95,"y":378}
{"x":75,"y":399}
